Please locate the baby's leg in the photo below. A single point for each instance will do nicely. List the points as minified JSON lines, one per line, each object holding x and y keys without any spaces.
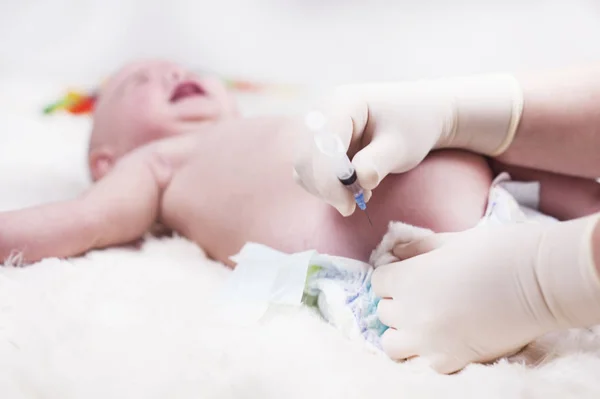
{"x":448,"y":191}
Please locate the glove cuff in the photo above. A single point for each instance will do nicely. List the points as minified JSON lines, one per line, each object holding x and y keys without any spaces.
{"x":567,"y":274}
{"x":488,"y":110}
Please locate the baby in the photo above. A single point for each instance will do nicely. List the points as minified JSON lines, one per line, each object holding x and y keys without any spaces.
{"x":169,"y":147}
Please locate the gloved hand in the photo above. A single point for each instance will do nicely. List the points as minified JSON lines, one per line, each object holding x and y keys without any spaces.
{"x":480,"y":294}
{"x":391,"y":127}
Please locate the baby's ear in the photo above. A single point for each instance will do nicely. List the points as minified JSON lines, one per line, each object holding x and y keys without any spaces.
{"x":101,"y":161}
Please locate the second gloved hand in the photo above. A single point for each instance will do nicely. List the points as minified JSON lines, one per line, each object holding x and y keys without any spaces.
{"x":391,"y":127}
{"x":480,"y":294}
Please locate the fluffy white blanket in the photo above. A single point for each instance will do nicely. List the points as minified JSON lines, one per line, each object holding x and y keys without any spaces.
{"x":122,"y":323}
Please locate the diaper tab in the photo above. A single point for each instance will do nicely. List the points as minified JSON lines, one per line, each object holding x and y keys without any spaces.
{"x":263,"y":276}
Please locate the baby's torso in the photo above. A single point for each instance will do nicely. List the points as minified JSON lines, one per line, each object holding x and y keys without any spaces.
{"x":238,"y":187}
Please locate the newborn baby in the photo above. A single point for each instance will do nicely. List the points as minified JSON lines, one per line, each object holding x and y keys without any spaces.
{"x":169,"y":147}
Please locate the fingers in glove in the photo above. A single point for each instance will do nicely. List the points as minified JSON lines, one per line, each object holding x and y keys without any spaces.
{"x":385,"y":279}
{"x":298,"y":180}
{"x":344,"y":113}
{"x":398,"y":344}
{"x":441,"y":362}
{"x":344,"y":116}
{"x":388,"y":312}
{"x":420,"y":247}
{"x":313,"y":172}
{"x":390,"y":278}
{"x":381,"y":280}
{"x":329,"y":187}
{"x":368,"y":194}
{"x":376,"y":160}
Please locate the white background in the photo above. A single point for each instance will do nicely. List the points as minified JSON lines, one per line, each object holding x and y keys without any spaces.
{"x":305,"y":41}
{"x":47,"y":47}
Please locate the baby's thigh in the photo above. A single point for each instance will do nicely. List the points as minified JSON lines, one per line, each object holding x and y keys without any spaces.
{"x":446,"y":192}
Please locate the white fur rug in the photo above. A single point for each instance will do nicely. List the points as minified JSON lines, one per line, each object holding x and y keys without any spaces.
{"x":140,"y":324}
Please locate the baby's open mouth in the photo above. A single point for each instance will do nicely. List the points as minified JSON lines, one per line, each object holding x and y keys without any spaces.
{"x":185,"y":90}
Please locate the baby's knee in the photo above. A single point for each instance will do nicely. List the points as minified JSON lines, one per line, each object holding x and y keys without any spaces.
{"x":459,"y":183}
{"x":457,"y":162}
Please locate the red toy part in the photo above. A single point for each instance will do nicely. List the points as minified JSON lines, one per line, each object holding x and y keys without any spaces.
{"x":83,"y":106}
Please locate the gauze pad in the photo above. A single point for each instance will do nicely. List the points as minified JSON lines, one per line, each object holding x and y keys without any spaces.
{"x":263,"y":276}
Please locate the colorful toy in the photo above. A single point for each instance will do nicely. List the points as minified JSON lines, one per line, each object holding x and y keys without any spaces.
{"x":73,"y":102}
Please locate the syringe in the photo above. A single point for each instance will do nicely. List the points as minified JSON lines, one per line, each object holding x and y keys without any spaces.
{"x":331,"y":145}
{"x":351,"y":183}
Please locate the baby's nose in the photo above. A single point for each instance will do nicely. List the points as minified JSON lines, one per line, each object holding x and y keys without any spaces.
{"x":174,"y":76}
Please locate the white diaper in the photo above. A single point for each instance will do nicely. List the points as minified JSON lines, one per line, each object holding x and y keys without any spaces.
{"x":513,"y":202}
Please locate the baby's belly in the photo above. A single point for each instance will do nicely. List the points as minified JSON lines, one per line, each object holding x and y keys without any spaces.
{"x":288,"y":219}
{"x":446,"y":193}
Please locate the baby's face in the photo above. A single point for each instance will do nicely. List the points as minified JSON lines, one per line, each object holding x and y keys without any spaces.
{"x":150,"y":100}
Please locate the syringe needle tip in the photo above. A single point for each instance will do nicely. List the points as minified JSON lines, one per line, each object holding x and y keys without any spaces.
{"x":368,"y":218}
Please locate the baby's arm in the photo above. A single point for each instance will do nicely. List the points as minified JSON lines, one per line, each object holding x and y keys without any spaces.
{"x":561,"y":196}
{"x":118,"y":209}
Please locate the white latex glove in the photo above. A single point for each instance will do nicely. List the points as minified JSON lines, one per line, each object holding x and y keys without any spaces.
{"x":477,"y":295}
{"x":391,"y":127}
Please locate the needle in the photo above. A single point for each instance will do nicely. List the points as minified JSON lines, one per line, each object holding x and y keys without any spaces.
{"x":368,"y":218}
{"x":351,"y":183}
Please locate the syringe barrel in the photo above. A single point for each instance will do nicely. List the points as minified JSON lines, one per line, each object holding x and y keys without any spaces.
{"x":351,"y":183}
{"x":331,"y":145}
